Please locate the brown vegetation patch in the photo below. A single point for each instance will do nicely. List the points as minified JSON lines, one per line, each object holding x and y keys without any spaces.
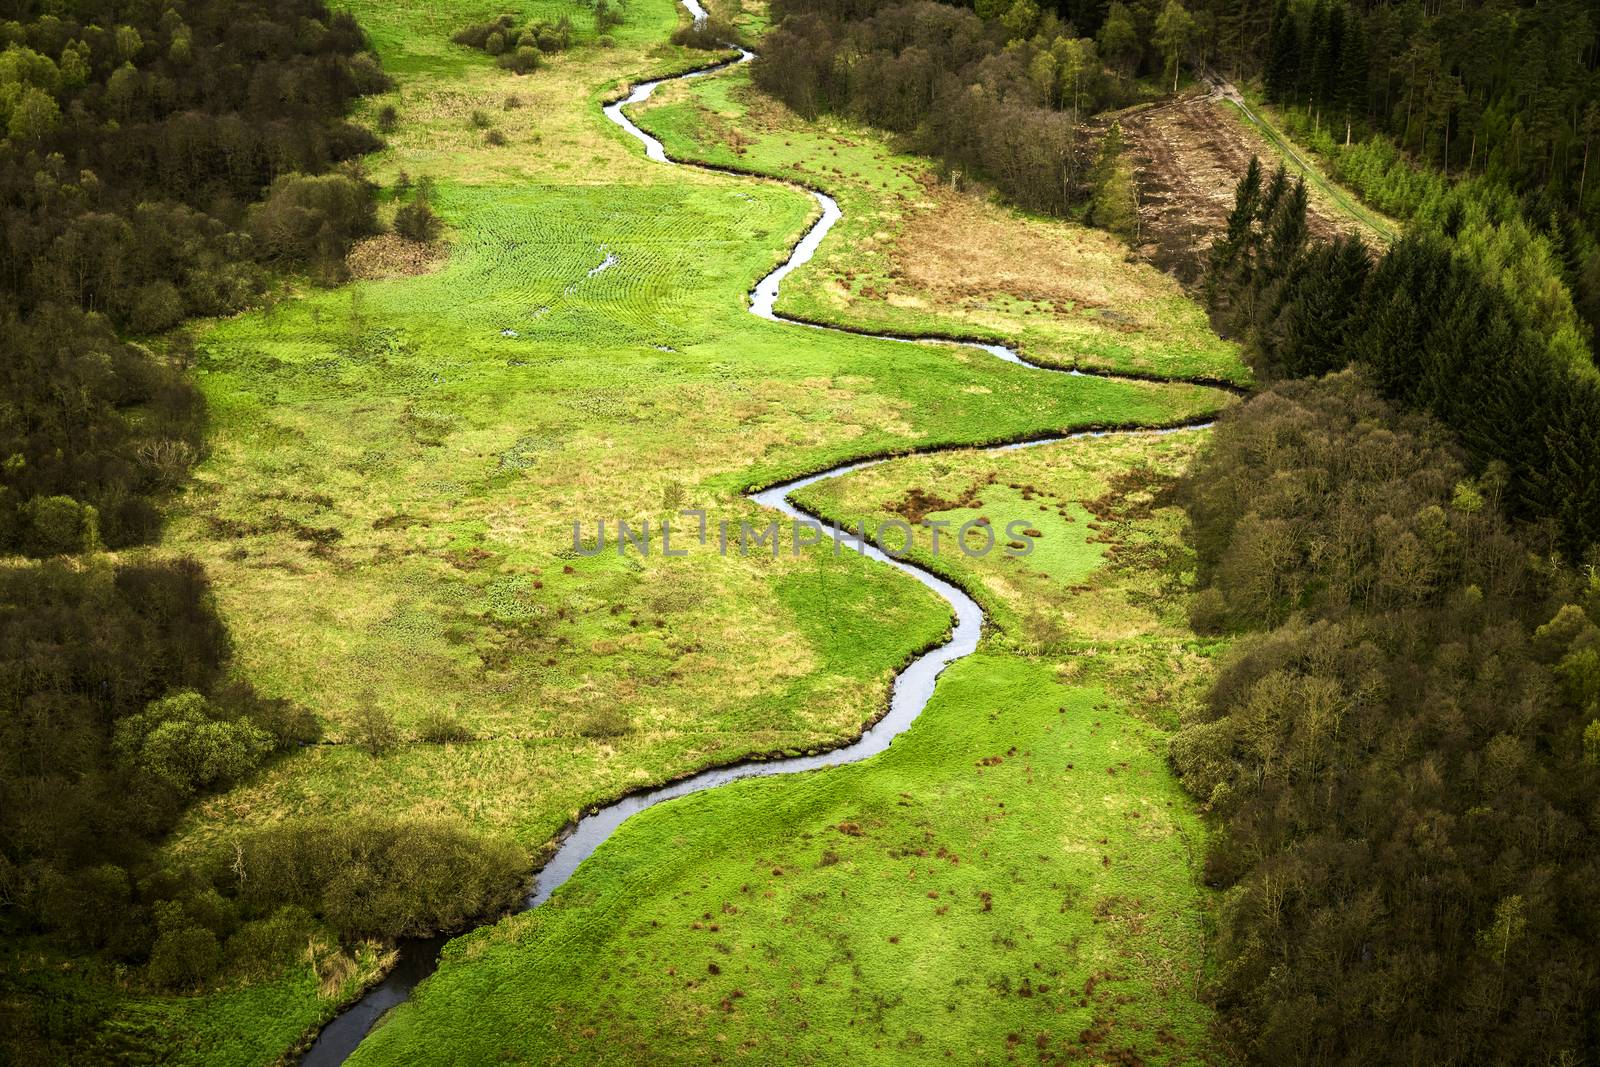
{"x":1188,"y":156}
{"x":389,"y":255}
{"x":918,"y":503}
{"x":962,"y":249}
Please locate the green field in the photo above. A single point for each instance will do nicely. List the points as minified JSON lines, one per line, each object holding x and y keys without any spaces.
{"x":386,"y":511}
{"x":913,"y":257}
{"x":1015,"y":875}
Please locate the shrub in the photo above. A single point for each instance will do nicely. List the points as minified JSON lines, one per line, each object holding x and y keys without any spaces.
{"x":524,"y":60}
{"x":495,"y":138}
{"x":709,"y":35}
{"x":180,"y":743}
{"x":381,"y":877}
{"x":477,"y":34}
{"x":260,"y":947}
{"x":442,"y":728}
{"x":388,"y":118}
{"x":304,"y":217}
{"x":608,"y":720}
{"x":156,"y":307}
{"x":416,"y":221}
{"x":607,"y":16}
{"x":184,"y":954}
{"x":373,"y":728}
{"x":59,"y":525}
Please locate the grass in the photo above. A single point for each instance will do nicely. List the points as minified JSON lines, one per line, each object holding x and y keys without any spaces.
{"x":913,"y":256}
{"x":1014,"y":876}
{"x":394,"y":469}
{"x":1102,"y":559}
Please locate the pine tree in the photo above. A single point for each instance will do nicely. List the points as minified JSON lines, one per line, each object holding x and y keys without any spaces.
{"x":1283,"y":54}
{"x":1316,"y":321}
{"x":1353,"y":77}
{"x":1286,"y":232}
{"x":1305,"y":85}
{"x":1226,"y":268}
{"x":1326,"y":60}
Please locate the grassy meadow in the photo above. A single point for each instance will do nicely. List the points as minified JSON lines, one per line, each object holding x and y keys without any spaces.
{"x":1015,"y":876}
{"x":386,"y":511}
{"x":914,"y":256}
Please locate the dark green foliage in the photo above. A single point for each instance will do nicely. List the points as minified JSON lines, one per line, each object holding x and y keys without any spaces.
{"x":114,"y":712}
{"x":1503,"y":91}
{"x":375,"y":878}
{"x":946,"y":78}
{"x":1408,"y":842}
{"x":305,"y":219}
{"x":1321,"y":307}
{"x":607,"y":17}
{"x":1435,"y":333}
{"x":127,"y":211}
{"x":519,"y":49}
{"x":1112,"y":203}
{"x":709,"y":34}
{"x":416,"y":221}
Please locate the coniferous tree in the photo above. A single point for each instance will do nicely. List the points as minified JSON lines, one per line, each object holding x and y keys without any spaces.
{"x":1283,"y":54}
{"x":1323,"y":305}
{"x":1228,"y":261}
{"x":1350,"y":93}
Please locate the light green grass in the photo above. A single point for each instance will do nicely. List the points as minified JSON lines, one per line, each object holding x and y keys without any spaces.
{"x":241,"y":1026}
{"x":844,"y":909}
{"x":913,"y":257}
{"x":386,"y":505}
{"x":1106,"y":564}
{"x":872,"y":945}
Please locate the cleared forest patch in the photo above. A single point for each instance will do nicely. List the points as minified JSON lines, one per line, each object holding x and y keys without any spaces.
{"x":1188,"y":156}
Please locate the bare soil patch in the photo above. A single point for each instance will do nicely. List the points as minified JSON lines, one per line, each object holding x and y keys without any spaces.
{"x":1188,"y":156}
{"x":389,"y":255}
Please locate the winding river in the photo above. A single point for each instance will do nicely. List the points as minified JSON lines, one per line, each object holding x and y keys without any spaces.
{"x":912,"y":687}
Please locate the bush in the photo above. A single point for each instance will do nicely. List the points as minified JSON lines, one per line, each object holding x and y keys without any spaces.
{"x":59,"y":525}
{"x":524,"y":60}
{"x":495,"y":138}
{"x":180,"y":743}
{"x":184,"y":957}
{"x":416,"y":221}
{"x":373,"y":729}
{"x":156,"y":307}
{"x":442,"y":728}
{"x":477,"y":34}
{"x":307,"y":217}
{"x":382,"y":878}
{"x":710,"y":35}
{"x":260,"y":948}
{"x":608,"y":720}
{"x":607,"y":16}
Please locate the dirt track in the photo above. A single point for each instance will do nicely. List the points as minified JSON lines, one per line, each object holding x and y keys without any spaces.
{"x":1188,"y":155}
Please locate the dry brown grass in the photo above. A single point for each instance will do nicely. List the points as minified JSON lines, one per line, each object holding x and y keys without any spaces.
{"x":389,"y":255}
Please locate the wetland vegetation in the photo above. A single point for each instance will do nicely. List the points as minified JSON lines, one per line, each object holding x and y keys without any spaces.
{"x":323,"y":326}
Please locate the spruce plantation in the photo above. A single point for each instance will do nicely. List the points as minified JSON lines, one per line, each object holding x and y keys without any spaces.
{"x":1241,"y":354}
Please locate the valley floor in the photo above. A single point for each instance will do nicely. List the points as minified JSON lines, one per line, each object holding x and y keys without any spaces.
{"x":387,"y":508}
